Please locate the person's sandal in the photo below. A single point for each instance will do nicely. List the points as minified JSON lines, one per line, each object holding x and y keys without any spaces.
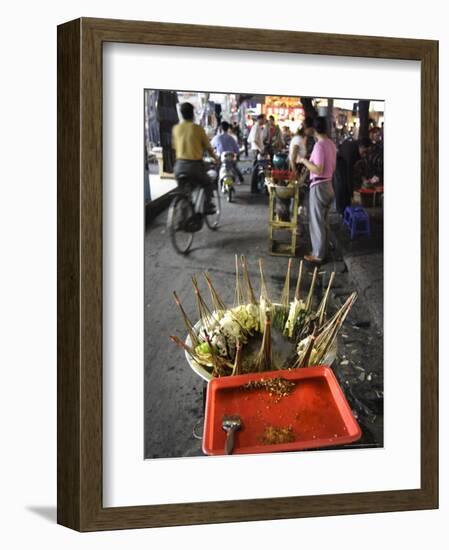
{"x":312,"y":259}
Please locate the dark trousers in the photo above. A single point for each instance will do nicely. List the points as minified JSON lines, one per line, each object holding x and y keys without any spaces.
{"x":197,"y":174}
{"x":254,"y":153}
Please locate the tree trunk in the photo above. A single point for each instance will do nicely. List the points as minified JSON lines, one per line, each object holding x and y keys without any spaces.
{"x":363,"y":118}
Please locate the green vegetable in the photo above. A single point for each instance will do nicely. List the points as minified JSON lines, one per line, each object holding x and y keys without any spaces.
{"x":203,"y":348}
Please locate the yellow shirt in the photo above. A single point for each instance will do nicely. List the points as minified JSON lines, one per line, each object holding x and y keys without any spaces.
{"x":189,"y":140}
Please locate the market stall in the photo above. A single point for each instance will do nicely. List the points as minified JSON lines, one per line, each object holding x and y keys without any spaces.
{"x":267,"y":366}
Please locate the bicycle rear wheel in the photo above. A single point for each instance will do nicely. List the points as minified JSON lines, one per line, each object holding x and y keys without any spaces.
{"x":179,"y":213}
{"x":213,"y":220}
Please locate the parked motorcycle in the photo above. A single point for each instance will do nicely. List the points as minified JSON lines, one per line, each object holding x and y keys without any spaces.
{"x":227,"y":174}
{"x":280,"y":161}
{"x":261,"y":165}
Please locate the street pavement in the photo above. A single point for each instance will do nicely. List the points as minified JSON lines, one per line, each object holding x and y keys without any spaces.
{"x":173,"y":391}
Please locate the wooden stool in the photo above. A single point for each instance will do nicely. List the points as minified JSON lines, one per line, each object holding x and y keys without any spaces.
{"x":356,"y":220}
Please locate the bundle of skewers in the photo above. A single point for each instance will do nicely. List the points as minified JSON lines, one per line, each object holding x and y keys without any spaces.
{"x":259,"y":334}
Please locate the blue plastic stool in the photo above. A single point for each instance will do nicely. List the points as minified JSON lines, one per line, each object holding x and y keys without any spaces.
{"x":356,"y":220}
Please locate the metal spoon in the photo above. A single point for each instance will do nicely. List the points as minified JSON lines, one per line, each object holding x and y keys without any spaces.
{"x":230,"y":424}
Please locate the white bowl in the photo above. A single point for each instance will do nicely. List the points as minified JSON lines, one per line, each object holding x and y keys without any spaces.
{"x":206,"y":375}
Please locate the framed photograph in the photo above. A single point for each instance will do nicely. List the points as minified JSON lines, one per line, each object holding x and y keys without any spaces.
{"x":247,"y":274}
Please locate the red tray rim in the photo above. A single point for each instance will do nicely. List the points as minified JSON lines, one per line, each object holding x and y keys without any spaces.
{"x":214,"y":385}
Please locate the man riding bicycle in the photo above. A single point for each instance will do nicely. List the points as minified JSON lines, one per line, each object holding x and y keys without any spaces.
{"x":190,"y":142}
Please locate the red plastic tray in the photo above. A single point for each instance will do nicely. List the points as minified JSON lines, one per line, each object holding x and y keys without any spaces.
{"x":316,"y":411}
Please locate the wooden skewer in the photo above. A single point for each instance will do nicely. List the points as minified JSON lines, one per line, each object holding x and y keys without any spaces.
{"x":238,"y":358}
{"x":185,"y":347}
{"x":334,"y":326}
{"x":217,"y":303}
{"x":298,"y":282}
{"x":304,"y":361}
{"x":285,"y":296}
{"x":191,"y":331}
{"x":311,"y":289}
{"x":263,"y":286}
{"x":322,"y":308}
{"x":249,"y":289}
{"x":238,"y":296}
{"x":264,"y":357}
{"x":203,"y":310}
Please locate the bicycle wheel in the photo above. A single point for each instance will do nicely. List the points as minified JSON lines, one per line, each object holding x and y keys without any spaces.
{"x":179,"y":213}
{"x":213,"y":220}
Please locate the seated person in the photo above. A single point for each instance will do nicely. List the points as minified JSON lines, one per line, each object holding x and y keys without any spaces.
{"x":224,"y":143}
{"x":366,"y":170}
{"x":190,"y":142}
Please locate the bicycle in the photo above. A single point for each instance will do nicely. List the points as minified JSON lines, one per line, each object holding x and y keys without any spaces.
{"x":186,"y":213}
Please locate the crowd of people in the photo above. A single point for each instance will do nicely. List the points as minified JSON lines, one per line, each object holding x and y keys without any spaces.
{"x":332,"y":174}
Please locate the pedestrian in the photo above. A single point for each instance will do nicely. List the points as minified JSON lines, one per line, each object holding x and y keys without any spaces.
{"x":309,"y":133}
{"x":321,"y":165}
{"x":235,"y":132}
{"x":245,"y":139}
{"x":377,"y":151}
{"x":297,"y":150}
{"x":286,"y":136}
{"x":272,"y":137}
{"x":255,"y":137}
{"x":235,"y":129}
{"x":341,"y":185}
{"x":190,"y":142}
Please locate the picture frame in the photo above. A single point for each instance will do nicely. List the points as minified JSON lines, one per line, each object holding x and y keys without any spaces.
{"x":80,"y":348}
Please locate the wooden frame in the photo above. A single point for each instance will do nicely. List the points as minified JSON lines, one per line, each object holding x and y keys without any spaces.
{"x":80,"y":274}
